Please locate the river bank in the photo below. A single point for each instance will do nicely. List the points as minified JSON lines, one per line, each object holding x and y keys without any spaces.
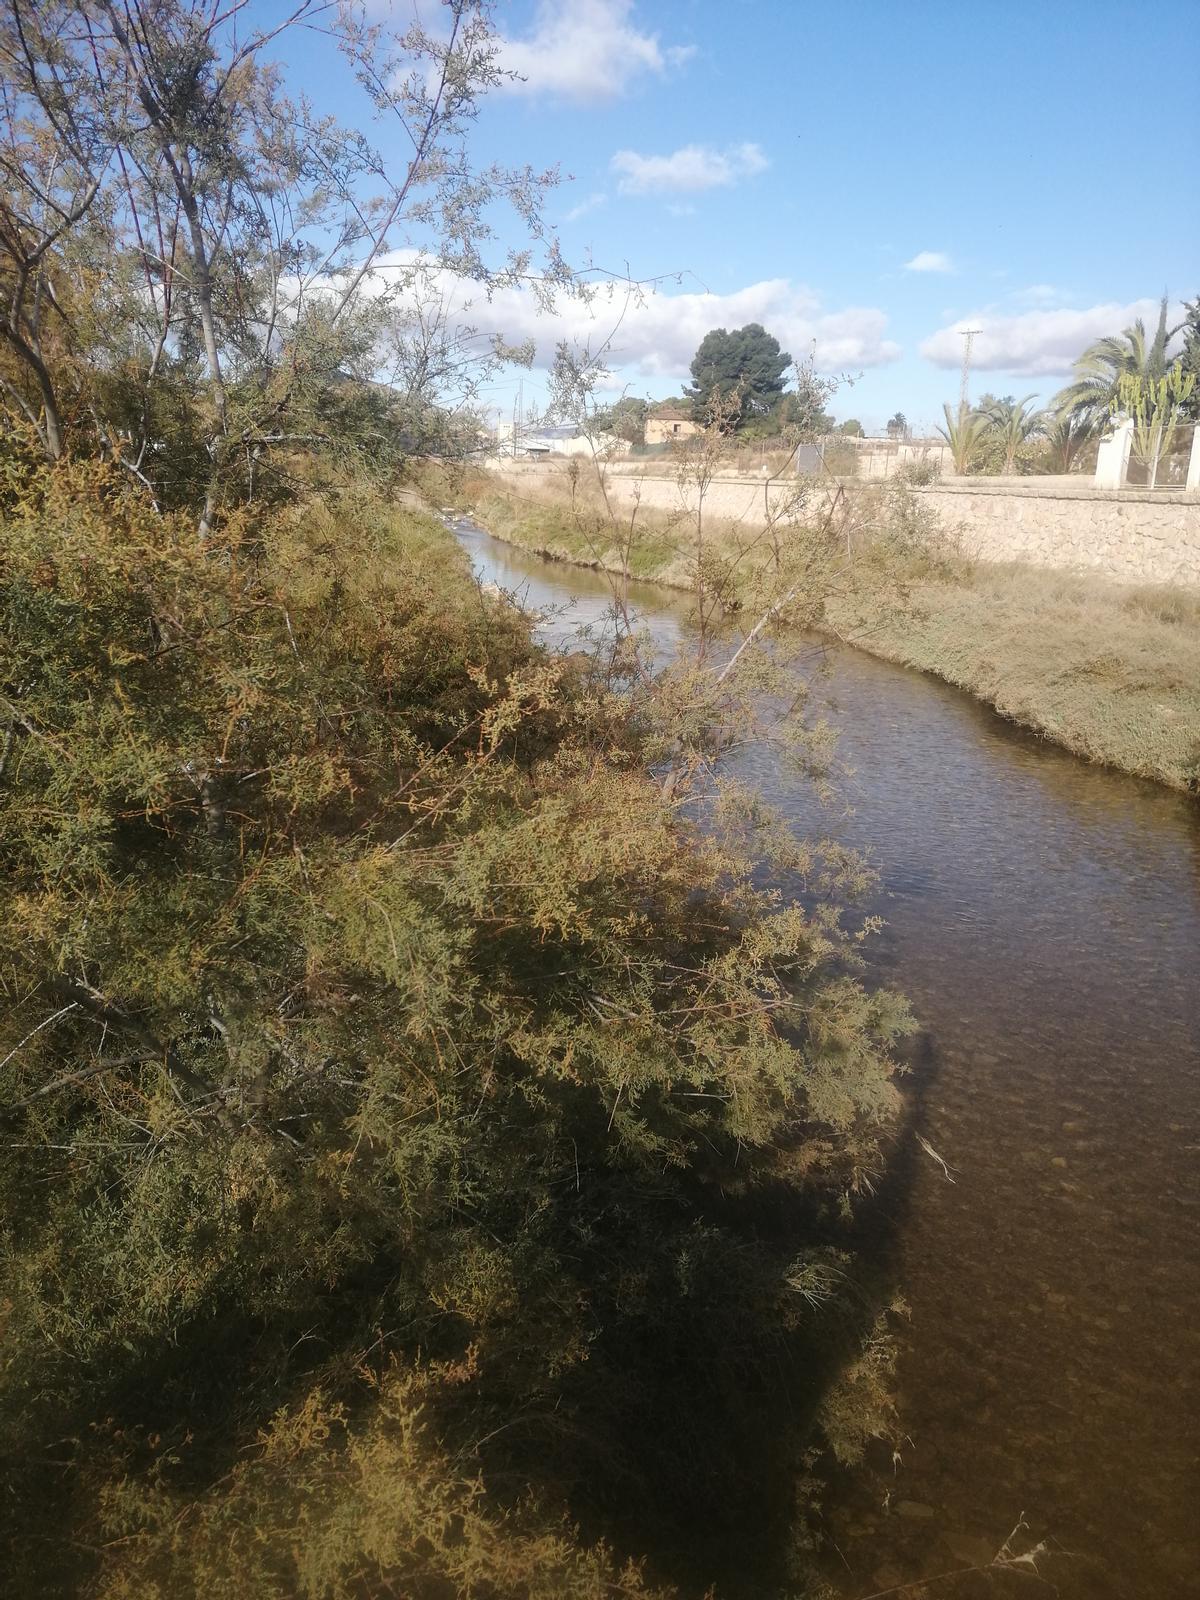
{"x":1110,"y":672}
{"x":1042,"y":914}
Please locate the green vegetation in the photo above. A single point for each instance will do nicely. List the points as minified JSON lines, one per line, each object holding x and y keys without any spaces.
{"x":429,"y":1148}
{"x":1155,"y":406}
{"x":428,"y":1152}
{"x":1110,"y":672}
{"x":966,"y":432}
{"x":1099,"y":370}
{"x":1191,"y":354}
{"x":192,"y":292}
{"x":396,"y":1086}
{"x":1127,"y":373}
{"x":745,"y":367}
{"x":625,"y":419}
{"x":1012,"y":424}
{"x":1066,"y":439}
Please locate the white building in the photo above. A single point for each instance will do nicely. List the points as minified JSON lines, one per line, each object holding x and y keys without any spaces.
{"x":539,"y":442}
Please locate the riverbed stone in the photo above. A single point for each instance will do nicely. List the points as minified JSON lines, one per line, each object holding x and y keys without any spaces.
{"x":916,"y":1510}
{"x":969,"y":1549}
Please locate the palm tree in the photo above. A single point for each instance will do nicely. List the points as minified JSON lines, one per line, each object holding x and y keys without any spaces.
{"x":1013,"y":421}
{"x":1099,"y":370}
{"x":964,"y":432}
{"x":1066,"y":436}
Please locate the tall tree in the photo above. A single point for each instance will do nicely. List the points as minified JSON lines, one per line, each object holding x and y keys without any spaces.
{"x":746,"y":363}
{"x":183,"y":243}
{"x":802,"y":412}
{"x":626,"y":419}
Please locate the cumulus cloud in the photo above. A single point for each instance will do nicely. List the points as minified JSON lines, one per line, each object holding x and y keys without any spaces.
{"x":585,"y":50}
{"x":929,"y":261}
{"x":1037,"y":343}
{"x":656,"y":335}
{"x":689,"y":169}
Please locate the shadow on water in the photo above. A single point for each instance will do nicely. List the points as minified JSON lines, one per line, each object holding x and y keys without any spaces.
{"x":1043,"y":917}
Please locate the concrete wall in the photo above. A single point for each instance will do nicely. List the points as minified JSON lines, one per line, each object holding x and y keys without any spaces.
{"x":729,"y":498}
{"x":880,"y":458}
{"x":1134,"y":536}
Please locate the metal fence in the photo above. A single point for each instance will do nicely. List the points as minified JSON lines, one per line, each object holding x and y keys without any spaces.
{"x":1139,"y":458}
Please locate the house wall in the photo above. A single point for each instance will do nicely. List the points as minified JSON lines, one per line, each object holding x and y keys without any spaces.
{"x":660,"y":429}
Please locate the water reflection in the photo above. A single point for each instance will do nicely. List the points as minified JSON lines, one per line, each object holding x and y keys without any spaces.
{"x":1044,"y":919}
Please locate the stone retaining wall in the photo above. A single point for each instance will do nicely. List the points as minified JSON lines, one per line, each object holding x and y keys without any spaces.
{"x":1130,"y":535}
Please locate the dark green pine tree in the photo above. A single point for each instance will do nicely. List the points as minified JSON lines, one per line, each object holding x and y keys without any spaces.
{"x":747,"y":363}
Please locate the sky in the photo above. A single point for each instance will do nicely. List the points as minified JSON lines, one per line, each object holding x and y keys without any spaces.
{"x":863,"y":179}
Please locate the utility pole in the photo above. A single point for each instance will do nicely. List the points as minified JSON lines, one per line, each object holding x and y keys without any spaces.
{"x":968,"y":334}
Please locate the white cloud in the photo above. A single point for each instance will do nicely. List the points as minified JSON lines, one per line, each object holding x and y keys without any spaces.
{"x":653,"y":334}
{"x":657,"y":335}
{"x":1037,"y":343}
{"x":592,"y":202}
{"x":929,"y":261}
{"x":586,"y":50}
{"x":689,"y":169}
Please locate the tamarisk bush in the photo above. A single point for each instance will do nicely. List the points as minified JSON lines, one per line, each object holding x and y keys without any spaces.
{"x":377,"y":1033}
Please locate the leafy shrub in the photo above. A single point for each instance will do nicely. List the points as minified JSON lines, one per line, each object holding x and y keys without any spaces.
{"x":366,"y":1000}
{"x":918,"y":474}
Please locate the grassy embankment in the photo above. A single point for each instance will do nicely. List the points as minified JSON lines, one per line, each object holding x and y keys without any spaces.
{"x":1109,"y":671}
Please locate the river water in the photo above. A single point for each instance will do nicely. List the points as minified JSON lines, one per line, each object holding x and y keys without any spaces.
{"x":1043,"y":917}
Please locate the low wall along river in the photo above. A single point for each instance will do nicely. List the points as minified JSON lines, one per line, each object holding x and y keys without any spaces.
{"x":1130,"y":535}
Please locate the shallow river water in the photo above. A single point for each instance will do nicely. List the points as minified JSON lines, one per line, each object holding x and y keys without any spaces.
{"x":1043,"y":917}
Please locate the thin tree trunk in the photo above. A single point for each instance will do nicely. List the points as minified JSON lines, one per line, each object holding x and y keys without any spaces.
{"x":50,"y":427}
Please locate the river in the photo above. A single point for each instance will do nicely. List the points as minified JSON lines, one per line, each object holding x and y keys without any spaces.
{"x":1043,"y":917}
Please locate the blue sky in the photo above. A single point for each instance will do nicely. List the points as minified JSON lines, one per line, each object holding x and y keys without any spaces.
{"x":869,"y":176}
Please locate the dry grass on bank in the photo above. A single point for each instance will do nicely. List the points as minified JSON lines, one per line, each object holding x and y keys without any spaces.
{"x":1109,"y":671}
{"x":549,"y":517}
